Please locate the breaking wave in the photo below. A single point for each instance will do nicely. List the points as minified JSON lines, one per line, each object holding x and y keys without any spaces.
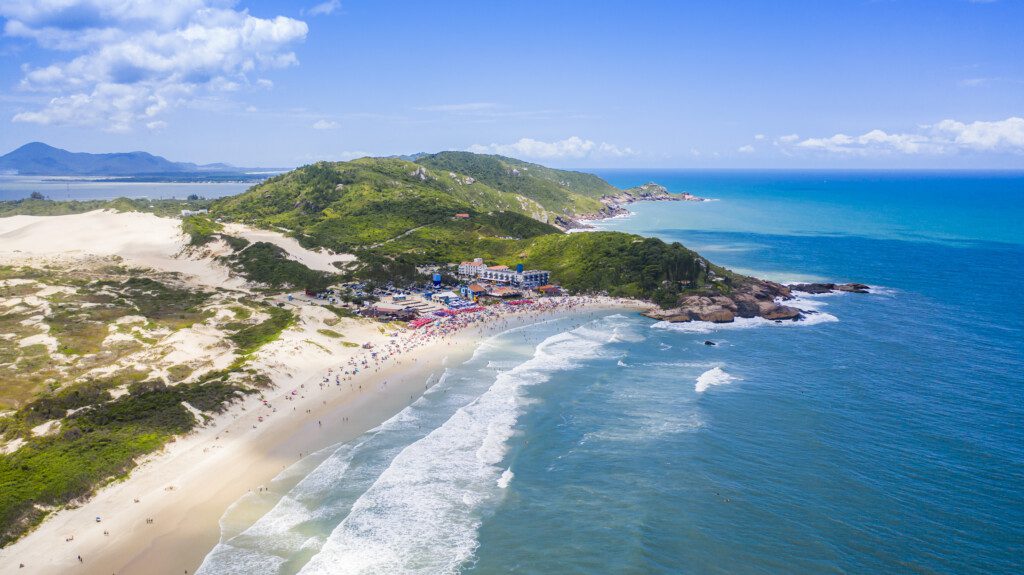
{"x":711,"y":377}
{"x":421,"y":515}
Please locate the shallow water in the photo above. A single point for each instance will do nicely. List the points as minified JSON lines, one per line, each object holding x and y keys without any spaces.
{"x":884,"y":435}
{"x":20,"y":187}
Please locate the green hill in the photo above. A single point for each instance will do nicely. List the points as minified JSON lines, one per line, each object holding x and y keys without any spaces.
{"x":351,"y":205}
{"x":396,"y":215}
{"x":560,"y":191}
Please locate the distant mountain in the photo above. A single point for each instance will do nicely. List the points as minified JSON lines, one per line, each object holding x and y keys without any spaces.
{"x":39,"y":159}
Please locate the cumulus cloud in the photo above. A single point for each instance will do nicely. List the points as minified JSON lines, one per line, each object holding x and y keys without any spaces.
{"x":748,"y":149}
{"x":324,"y":8}
{"x":131,"y":60}
{"x":572,"y":147}
{"x":945,"y":137}
{"x":758,"y":136}
{"x":325,"y":125}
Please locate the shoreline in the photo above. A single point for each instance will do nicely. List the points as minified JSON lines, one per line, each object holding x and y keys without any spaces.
{"x":186,"y":488}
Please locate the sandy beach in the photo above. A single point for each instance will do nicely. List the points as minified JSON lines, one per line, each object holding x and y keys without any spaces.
{"x":164,"y":517}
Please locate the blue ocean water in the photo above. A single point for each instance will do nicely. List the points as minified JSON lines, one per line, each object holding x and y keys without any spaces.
{"x":884,"y":436}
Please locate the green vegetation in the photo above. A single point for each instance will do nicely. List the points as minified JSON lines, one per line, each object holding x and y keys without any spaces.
{"x":340,"y":311}
{"x":268,"y":264}
{"x":253,"y":337}
{"x":94,"y":445}
{"x":329,"y":333}
{"x":201,"y":229}
{"x":559,"y":191}
{"x":42,"y":207}
{"x":619,"y":264}
{"x":396,"y":215}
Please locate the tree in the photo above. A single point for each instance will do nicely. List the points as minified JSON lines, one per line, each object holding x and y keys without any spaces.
{"x":37,"y":196}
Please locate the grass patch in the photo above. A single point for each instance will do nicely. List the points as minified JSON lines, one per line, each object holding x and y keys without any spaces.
{"x":251,"y":338}
{"x":200,"y":229}
{"x":268,"y":264}
{"x":328,"y":332}
{"x":95,"y":445}
{"x":340,"y":311}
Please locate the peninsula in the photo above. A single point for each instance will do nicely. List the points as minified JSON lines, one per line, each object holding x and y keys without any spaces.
{"x":158,"y":352}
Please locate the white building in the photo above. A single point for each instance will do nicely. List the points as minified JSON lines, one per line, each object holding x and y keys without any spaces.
{"x":472,"y":269}
{"x":187,"y":213}
{"x":503,"y":275}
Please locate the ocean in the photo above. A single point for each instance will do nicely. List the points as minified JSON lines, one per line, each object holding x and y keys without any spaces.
{"x":886,"y":435}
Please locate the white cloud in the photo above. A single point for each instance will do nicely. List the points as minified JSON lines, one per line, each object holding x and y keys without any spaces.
{"x":758,"y":136}
{"x":572,"y":147}
{"x":325,"y":125}
{"x":132,"y":60}
{"x":945,"y":137}
{"x":1006,"y":134}
{"x":789,"y":138}
{"x":748,"y":149}
{"x":324,"y":8}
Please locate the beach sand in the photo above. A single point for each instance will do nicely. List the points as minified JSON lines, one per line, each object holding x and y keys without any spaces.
{"x":186,"y":488}
{"x":164,"y":517}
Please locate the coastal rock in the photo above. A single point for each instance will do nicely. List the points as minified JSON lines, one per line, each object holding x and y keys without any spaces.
{"x":822,"y":288}
{"x":781,"y":312}
{"x":854,"y":288}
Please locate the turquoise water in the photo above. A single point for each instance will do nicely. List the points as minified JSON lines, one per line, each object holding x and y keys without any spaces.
{"x":884,"y":436}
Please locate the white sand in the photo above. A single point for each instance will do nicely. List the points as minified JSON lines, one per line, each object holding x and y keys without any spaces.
{"x":142,"y":240}
{"x":322,"y":260}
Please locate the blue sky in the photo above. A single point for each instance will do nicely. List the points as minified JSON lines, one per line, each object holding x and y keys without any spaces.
{"x":902,"y":84}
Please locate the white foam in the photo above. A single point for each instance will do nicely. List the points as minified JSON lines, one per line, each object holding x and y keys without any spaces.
{"x":422,"y":513}
{"x":713,"y":376}
{"x":506,"y":478}
{"x":811,"y":317}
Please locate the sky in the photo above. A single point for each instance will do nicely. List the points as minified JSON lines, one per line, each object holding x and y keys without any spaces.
{"x":599,"y":84}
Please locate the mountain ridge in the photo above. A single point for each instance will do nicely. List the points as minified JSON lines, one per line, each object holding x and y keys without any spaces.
{"x":41,"y":159}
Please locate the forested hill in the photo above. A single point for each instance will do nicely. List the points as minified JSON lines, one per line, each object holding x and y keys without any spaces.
{"x":396,"y":215}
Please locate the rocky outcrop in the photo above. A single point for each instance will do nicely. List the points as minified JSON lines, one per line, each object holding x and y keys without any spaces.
{"x":820,"y":288}
{"x":649,"y":192}
{"x":613,"y":204}
{"x":752,"y":298}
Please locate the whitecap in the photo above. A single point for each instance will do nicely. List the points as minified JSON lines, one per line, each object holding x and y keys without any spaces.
{"x":506,"y":478}
{"x":713,"y":376}
{"x":422,"y":513}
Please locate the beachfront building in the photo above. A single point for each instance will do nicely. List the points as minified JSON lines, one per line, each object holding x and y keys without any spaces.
{"x":549,"y":289}
{"x":474,"y":290}
{"x":503,"y":275}
{"x":187,"y":213}
{"x":472,"y":269}
{"x":504,"y":292}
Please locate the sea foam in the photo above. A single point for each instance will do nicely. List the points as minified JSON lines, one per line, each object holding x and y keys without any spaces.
{"x":422,"y":513}
{"x":713,"y":376}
